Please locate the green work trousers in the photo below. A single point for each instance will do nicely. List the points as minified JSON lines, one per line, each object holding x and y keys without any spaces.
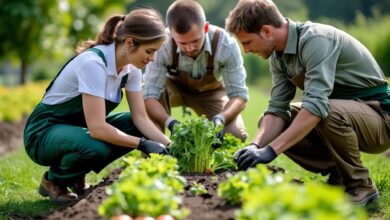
{"x":71,"y":152}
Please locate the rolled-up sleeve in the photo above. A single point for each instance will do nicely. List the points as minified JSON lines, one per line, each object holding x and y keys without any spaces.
{"x":233,"y":71}
{"x":319,"y":55}
{"x":283,"y":91}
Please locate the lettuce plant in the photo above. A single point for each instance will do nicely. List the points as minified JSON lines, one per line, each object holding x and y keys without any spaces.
{"x":197,"y":189}
{"x":301,"y":202}
{"x":232,"y":189}
{"x":222,"y":158}
{"x":147,"y":187}
{"x":192,"y":144}
{"x":267,"y":196}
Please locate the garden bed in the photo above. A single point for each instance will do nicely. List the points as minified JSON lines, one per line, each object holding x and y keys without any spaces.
{"x":207,"y":206}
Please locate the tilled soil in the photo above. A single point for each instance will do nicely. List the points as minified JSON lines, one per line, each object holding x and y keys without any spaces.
{"x":207,"y":206}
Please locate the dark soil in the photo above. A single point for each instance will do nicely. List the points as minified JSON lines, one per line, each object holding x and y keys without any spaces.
{"x":208,"y":206}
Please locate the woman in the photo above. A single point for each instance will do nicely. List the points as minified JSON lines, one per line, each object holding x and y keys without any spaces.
{"x":70,"y":129}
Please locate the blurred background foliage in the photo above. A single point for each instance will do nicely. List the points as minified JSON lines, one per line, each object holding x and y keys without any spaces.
{"x":38,"y":36}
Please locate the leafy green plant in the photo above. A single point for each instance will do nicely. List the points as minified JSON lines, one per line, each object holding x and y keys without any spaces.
{"x":197,"y":189}
{"x":222,"y":158}
{"x":267,"y":196}
{"x":147,"y":187}
{"x":293,"y":201}
{"x":235,"y":186}
{"x":192,"y":144}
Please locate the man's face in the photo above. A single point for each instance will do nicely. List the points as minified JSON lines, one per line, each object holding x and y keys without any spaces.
{"x":191,"y":43}
{"x":261,"y":43}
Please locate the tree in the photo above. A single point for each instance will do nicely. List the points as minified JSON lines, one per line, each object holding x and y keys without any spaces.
{"x":22,"y":22}
{"x":30,"y":28}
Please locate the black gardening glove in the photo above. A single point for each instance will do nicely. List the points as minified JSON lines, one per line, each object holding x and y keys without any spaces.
{"x":172,"y":124}
{"x":250,"y":156}
{"x":148,"y":147}
{"x":243,"y":150}
{"x":219,"y":120}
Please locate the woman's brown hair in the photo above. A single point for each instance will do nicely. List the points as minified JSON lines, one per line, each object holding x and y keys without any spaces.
{"x":143,"y":25}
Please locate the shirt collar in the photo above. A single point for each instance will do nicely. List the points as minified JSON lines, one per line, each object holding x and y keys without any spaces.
{"x":292,"y":39}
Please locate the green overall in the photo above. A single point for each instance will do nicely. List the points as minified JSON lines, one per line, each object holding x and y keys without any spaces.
{"x":57,"y":136}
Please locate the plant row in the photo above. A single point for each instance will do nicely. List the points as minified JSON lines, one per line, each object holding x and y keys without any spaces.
{"x":263,"y":195}
{"x":146,"y":188}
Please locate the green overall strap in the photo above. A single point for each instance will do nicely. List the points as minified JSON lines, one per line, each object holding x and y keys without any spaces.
{"x":97,"y":51}
{"x":100,"y":53}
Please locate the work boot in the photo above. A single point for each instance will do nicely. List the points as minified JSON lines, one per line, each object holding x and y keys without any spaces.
{"x":58,"y":195}
{"x":364,"y":194}
{"x":80,"y":187}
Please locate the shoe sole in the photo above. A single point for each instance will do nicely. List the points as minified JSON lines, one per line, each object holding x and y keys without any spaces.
{"x":369,"y":199}
{"x":43,"y":192}
{"x":78,"y":192}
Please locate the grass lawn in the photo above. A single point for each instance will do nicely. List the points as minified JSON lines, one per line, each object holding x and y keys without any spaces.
{"x":20,"y":177}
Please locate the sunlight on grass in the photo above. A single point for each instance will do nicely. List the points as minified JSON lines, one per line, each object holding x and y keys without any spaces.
{"x":19,"y":180}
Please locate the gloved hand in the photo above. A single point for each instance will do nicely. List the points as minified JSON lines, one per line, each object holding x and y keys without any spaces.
{"x":148,"y":147}
{"x":172,"y":124}
{"x":219,"y":120}
{"x":243,"y":150}
{"x":250,"y":156}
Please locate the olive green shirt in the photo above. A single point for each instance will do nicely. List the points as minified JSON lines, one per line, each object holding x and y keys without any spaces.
{"x":329,"y":58}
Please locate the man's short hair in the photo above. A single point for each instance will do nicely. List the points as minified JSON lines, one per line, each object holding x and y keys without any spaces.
{"x":182,"y":14}
{"x":251,"y":15}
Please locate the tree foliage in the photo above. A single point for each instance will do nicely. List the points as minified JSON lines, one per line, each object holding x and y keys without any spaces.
{"x":346,"y":11}
{"x":22,"y":23}
{"x":34,"y":31}
{"x":34,"y":28}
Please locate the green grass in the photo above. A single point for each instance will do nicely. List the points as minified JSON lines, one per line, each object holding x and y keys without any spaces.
{"x":20,"y":177}
{"x":19,"y":181}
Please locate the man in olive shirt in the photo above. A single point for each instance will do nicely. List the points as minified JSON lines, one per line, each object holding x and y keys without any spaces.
{"x":345,"y":103}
